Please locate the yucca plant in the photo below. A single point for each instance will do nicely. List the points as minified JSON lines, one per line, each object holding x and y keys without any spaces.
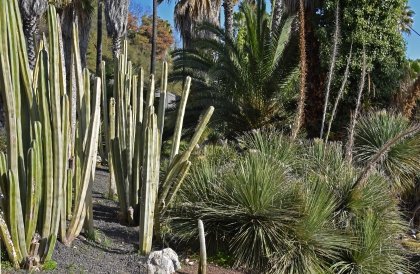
{"x":34,"y":177}
{"x":387,"y":141}
{"x":295,"y":204}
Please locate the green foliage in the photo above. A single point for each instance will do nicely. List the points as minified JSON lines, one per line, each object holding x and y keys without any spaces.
{"x":49,"y":265}
{"x":223,"y":259}
{"x":371,"y":26}
{"x":294,"y":204}
{"x":375,"y":133}
{"x":250,"y":79}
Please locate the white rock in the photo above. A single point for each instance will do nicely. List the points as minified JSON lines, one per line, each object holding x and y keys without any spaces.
{"x":161,"y":262}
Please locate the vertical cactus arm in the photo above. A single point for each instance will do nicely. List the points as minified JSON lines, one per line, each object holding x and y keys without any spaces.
{"x":149,"y":101}
{"x":65,"y":118}
{"x":37,"y":129}
{"x":26,"y":76}
{"x":105,"y":116}
{"x":88,"y":164}
{"x":36,"y":69}
{"x":56,"y":125}
{"x":112,"y":186}
{"x":69,"y":196}
{"x":15,"y":214}
{"x":127,"y":84}
{"x":177,"y":184}
{"x":140,"y":96}
{"x":202,"y":267}
{"x":7,"y":240}
{"x":149,"y":186}
{"x":198,"y":132}
{"x":137,"y":169}
{"x":175,"y":168}
{"x":179,"y":120}
{"x":32,"y":202}
{"x":62,"y":63}
{"x":130,"y":192}
{"x":79,"y":80}
{"x":46,"y":144}
{"x":3,"y":174}
{"x":6,"y":87}
{"x":119,"y":178}
{"x":162,"y":99}
{"x":85,"y":110}
{"x":134,"y":83}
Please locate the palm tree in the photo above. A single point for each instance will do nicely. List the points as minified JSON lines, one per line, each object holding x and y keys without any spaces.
{"x":250,"y":92}
{"x":70,"y":11}
{"x":277,"y":10}
{"x":228,"y":6}
{"x":406,"y":19}
{"x":189,"y":13}
{"x":31,"y":11}
{"x":116,"y":13}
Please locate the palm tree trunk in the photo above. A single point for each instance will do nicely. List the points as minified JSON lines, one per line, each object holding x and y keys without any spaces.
{"x":277,"y":11}
{"x":302,"y":95}
{"x":99,"y":39}
{"x":116,"y":46}
{"x":30,"y":30}
{"x":154,"y":35}
{"x":229,"y":6}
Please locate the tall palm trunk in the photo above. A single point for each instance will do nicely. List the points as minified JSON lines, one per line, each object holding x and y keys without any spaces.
{"x":228,"y":6}
{"x":99,"y":39}
{"x":116,"y":13}
{"x":31,"y":11}
{"x":277,"y":8}
{"x":154,"y":35}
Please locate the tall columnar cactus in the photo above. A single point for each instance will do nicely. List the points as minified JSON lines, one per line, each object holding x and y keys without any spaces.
{"x":34,"y":177}
{"x":136,"y":147}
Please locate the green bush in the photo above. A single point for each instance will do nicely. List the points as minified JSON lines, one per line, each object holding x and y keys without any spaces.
{"x":282,"y":207}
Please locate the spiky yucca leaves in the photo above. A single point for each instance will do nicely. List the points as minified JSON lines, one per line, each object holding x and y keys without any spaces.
{"x":368,"y":215}
{"x":313,"y":243}
{"x":389,"y":142}
{"x":375,"y":249}
{"x":300,"y":212}
{"x":247,"y":202}
{"x":250,"y":82}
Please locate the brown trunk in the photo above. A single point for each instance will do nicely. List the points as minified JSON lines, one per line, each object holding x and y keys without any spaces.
{"x":315,"y":79}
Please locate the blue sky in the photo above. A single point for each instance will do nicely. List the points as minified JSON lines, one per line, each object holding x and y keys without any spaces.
{"x":166,"y":11}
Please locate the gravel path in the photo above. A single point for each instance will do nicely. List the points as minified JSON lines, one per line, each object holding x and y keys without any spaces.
{"x":113,"y":251}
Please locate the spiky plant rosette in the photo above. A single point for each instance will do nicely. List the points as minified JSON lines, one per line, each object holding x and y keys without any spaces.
{"x":248,"y":201}
{"x":375,"y":249}
{"x":389,"y":142}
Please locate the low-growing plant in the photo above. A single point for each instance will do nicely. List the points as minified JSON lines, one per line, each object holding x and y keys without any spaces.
{"x":49,"y":265}
{"x":296,"y":205}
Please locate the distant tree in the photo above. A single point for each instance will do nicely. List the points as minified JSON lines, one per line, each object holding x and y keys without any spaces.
{"x":164,"y":38}
{"x":372,"y":27}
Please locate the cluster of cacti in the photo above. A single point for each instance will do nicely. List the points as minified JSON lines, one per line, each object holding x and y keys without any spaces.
{"x":135,"y":148}
{"x":35,"y":179}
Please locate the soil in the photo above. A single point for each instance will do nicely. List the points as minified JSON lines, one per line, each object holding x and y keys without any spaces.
{"x":113,"y":250}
